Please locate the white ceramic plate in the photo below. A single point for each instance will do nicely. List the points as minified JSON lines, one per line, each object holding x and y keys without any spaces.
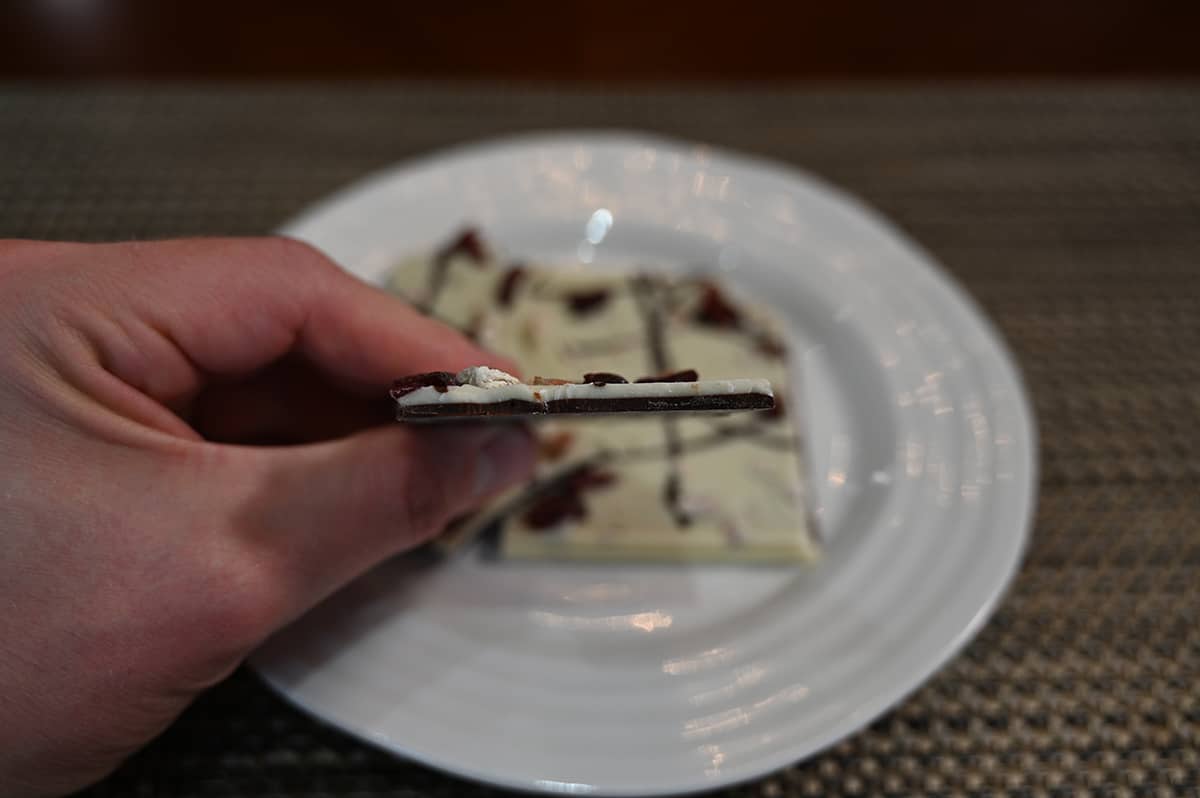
{"x":639,"y":680}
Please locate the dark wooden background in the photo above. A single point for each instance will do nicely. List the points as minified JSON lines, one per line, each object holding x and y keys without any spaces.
{"x":597,"y":40}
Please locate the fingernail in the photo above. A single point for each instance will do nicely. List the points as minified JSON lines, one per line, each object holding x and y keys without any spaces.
{"x":504,"y":461}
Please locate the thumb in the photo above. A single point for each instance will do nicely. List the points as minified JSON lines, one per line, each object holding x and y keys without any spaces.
{"x":323,"y":513}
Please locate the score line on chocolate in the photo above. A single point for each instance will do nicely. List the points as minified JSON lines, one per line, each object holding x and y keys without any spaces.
{"x":480,"y":392}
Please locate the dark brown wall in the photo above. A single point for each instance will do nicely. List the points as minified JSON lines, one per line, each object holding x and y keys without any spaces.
{"x":597,"y":40}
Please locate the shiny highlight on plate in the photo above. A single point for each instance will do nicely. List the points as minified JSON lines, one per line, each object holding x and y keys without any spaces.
{"x":741,"y":716}
{"x":640,"y":621}
{"x":703,"y":660}
{"x":598,"y":225}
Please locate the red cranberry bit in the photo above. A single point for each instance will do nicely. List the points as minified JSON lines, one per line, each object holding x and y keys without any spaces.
{"x":715,"y":310}
{"x":554,"y":509}
{"x":439,"y":380}
{"x":468,"y":243}
{"x":601,"y":378}
{"x":553,"y":446}
{"x":687,"y":375}
{"x":582,"y":303}
{"x":592,"y":477}
{"x":565,"y":501}
{"x":777,"y":411}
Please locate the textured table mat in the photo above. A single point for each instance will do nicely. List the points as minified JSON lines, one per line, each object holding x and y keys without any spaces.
{"x":1071,"y":213}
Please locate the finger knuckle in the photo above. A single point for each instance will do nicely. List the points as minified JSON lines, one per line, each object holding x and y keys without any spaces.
{"x":245,"y":600}
{"x":299,"y":254}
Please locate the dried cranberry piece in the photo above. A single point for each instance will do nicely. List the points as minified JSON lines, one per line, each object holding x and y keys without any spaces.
{"x":553,"y":446}
{"x":440,"y":380}
{"x":582,"y":303}
{"x":715,"y":310}
{"x":599,"y":378}
{"x":468,"y":243}
{"x":554,"y":509}
{"x":564,"y":501}
{"x":592,"y":477}
{"x":777,"y":411}
{"x":687,"y":375}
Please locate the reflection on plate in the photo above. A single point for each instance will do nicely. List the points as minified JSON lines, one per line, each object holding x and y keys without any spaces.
{"x":630,"y":680}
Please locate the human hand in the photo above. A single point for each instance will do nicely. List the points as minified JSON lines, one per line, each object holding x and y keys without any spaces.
{"x":145,"y":549}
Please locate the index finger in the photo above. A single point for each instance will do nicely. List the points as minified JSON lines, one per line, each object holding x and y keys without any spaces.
{"x":231,"y":306}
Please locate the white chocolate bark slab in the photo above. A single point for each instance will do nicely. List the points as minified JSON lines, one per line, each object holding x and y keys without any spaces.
{"x":672,"y":488}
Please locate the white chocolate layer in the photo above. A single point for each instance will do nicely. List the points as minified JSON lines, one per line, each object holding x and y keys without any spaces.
{"x":485,"y":377}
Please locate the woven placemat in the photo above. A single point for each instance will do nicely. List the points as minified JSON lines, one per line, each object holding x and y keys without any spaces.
{"x":1071,"y":213}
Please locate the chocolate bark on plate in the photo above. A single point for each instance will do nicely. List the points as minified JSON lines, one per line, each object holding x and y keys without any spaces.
{"x":671,"y":487}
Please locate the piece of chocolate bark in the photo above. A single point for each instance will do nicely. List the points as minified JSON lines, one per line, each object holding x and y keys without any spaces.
{"x":665,"y":487}
{"x":480,"y":392}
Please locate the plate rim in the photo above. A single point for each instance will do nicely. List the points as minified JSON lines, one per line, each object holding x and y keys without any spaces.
{"x":1008,"y":373}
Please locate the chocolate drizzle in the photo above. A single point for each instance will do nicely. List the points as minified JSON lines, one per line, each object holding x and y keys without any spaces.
{"x":649,"y":294}
{"x":769,"y":345}
{"x":673,"y":498}
{"x":441,"y":381}
{"x":562,"y":499}
{"x":467,"y":243}
{"x":508,"y":286}
{"x":716,"y":310}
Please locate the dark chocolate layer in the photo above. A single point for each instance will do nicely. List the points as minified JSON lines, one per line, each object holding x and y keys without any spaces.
{"x":511,"y":407}
{"x":694,"y":402}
